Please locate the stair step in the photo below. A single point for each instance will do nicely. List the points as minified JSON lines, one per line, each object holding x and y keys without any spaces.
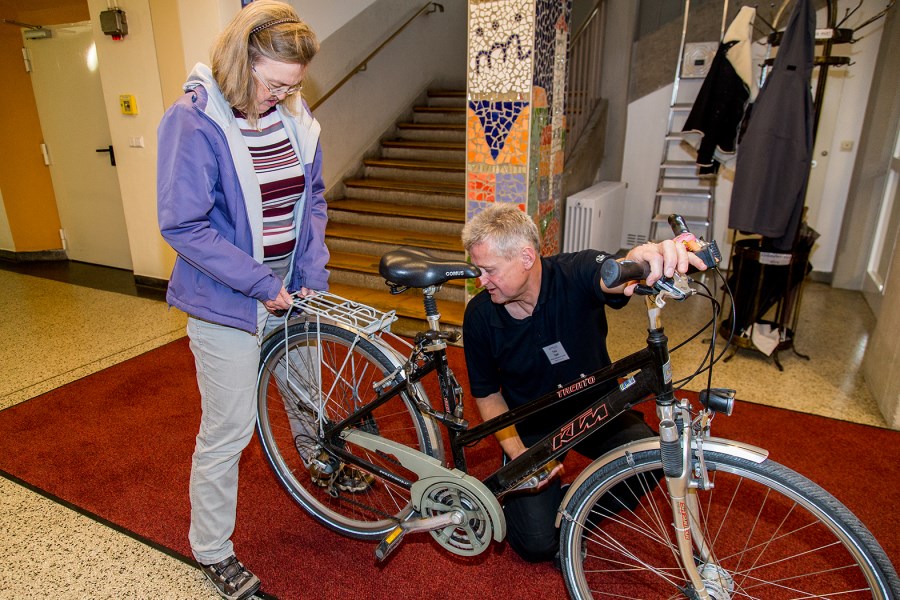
{"x":436,"y":132}
{"x":690,"y":220}
{"x":439,"y":109}
{"x":404,"y":168}
{"x":685,"y":193}
{"x":367,"y":264}
{"x":408,"y":304}
{"x":429,"y":187}
{"x":424,"y":145}
{"x":455,"y":127}
{"x":393,"y":237}
{"x":440,"y":112}
{"x":678,"y":164}
{"x":418,"y":165}
{"x":398,"y":210}
{"x":447,"y":93}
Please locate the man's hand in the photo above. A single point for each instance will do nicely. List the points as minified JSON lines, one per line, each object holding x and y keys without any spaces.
{"x":664,"y":258}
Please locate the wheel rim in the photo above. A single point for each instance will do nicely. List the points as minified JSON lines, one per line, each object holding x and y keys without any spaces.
{"x":767,"y":541}
{"x":348,"y":500}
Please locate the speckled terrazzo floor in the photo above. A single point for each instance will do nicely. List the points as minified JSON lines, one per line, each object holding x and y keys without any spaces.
{"x":56,"y":332}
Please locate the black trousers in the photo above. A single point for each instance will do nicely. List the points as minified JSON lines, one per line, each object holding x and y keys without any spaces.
{"x":531,"y":518}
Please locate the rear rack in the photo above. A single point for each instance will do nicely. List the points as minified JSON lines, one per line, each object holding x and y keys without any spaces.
{"x":363,"y":319}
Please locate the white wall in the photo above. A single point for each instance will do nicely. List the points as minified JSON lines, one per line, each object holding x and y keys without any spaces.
{"x":643,"y":152}
{"x":842,"y":117}
{"x":432,"y":50}
{"x":325,"y":18}
{"x":6,"y":238}
{"x":129,"y":66}
{"x":201,"y":21}
{"x":843,"y":111}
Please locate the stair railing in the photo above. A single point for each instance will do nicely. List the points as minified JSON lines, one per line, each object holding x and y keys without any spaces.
{"x":585,"y":65}
{"x":428,"y":8}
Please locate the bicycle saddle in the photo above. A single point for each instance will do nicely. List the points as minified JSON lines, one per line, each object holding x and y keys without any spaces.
{"x":416,"y":268}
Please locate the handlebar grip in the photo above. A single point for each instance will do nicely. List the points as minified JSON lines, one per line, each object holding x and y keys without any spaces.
{"x":678,"y":224}
{"x":615,"y":273}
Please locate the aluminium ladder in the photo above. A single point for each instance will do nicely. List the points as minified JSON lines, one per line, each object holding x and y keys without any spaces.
{"x":679,"y":188}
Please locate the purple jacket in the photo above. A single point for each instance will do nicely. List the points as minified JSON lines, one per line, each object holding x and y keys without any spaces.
{"x":210,"y":209}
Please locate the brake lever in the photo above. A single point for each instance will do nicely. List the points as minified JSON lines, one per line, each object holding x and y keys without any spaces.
{"x":676,"y":287}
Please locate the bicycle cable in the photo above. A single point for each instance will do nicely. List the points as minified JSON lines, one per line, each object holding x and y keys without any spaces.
{"x":716,"y":306}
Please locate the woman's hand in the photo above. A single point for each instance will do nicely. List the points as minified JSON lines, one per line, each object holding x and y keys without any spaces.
{"x":281,"y":302}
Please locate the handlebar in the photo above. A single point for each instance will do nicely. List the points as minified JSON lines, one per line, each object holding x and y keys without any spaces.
{"x":615,"y":273}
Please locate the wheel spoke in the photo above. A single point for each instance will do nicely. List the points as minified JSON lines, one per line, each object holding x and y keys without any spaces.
{"x":330,"y":374}
{"x":762,"y":530}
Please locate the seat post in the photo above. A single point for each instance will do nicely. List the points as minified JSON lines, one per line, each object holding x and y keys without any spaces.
{"x":431,"y":311}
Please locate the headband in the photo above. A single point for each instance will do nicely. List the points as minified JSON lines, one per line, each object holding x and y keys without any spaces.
{"x":259,"y":28}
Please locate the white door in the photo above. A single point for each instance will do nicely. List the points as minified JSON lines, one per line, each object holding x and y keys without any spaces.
{"x":886,"y":235}
{"x":70,"y":105}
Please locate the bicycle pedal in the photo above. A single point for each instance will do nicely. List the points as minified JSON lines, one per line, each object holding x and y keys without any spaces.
{"x":389,"y":543}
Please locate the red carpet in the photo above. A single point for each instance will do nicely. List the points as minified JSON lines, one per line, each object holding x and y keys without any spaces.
{"x":117,"y":444}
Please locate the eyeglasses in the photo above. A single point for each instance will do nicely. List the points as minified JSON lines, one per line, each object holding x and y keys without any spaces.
{"x":277,"y":91}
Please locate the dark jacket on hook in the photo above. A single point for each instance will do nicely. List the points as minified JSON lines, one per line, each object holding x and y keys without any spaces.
{"x":774,"y":156}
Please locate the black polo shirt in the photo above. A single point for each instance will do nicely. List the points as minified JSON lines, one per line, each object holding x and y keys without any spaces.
{"x":563,"y":339}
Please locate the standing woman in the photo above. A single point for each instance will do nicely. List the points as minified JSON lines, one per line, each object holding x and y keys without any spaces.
{"x":241,"y":201}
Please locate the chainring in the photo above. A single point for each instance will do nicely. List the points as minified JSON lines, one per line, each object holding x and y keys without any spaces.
{"x":474,"y":534}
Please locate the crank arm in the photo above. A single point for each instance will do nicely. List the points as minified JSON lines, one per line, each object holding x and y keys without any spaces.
{"x":413,"y":525}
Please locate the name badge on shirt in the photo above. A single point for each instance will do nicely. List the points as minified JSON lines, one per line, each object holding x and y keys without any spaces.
{"x":556,"y":353}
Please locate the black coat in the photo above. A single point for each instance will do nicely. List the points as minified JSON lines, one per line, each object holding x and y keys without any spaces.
{"x":774,"y":156}
{"x":719,"y":108}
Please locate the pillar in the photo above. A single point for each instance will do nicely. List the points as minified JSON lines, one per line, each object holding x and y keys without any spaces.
{"x":515,"y":117}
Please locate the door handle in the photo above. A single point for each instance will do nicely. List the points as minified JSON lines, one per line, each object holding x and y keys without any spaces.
{"x":112,"y":154}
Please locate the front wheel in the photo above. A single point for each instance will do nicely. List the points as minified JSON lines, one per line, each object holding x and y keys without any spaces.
{"x":769,"y":533}
{"x":321,"y":375}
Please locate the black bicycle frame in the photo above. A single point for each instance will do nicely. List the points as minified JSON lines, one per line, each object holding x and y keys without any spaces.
{"x":644,"y":375}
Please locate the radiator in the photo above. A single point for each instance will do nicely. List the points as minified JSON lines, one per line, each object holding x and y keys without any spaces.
{"x":594,"y":218}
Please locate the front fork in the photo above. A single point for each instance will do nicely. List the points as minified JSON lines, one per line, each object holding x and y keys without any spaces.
{"x":676,"y":445}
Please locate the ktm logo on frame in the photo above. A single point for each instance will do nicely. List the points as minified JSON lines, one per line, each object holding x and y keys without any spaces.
{"x":585,"y":421}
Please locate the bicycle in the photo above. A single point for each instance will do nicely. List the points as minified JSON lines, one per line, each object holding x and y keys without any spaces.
{"x":349,"y":432}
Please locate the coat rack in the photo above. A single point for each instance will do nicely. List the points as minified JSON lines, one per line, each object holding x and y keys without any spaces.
{"x":774,"y":280}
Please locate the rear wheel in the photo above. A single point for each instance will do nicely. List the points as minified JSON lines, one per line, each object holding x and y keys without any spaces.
{"x":771,"y":533}
{"x":331,"y":373}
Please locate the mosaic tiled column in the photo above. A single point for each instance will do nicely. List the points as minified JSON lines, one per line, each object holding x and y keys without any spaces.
{"x":516,"y":109}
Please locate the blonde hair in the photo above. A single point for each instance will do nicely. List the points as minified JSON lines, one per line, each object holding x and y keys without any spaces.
{"x":265,"y":28}
{"x":505,"y":229}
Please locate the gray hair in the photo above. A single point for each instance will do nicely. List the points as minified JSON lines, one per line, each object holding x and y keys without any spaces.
{"x":505,"y":229}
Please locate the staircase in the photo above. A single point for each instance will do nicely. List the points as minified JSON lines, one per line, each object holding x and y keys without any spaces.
{"x":413,"y":194}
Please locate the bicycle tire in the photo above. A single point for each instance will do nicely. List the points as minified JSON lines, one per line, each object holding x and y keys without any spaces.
{"x":350,"y":366}
{"x":769,"y":529}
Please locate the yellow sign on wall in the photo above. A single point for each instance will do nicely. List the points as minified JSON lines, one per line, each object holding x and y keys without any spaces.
{"x":128,"y":104}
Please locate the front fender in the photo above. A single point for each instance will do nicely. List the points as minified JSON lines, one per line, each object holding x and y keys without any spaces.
{"x":731,"y":447}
